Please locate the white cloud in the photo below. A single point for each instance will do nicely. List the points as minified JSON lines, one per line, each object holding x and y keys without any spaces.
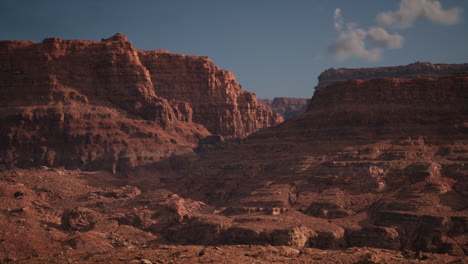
{"x":351,"y":43}
{"x":370,"y":44}
{"x":380,"y":37}
{"x":411,"y":10}
{"x":338,"y":19}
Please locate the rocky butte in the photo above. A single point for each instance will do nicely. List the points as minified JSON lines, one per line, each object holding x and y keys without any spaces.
{"x":105,"y":105}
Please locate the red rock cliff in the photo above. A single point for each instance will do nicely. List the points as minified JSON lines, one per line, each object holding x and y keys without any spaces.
{"x":91,"y":104}
{"x":85,"y":104}
{"x":217,"y":100}
{"x":107,"y":72}
{"x":389,"y":107}
{"x":410,"y":71}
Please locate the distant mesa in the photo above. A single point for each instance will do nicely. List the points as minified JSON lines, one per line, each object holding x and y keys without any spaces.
{"x":292,"y":107}
{"x":410,"y":71}
{"x":287,"y":107}
{"x":386,"y":108}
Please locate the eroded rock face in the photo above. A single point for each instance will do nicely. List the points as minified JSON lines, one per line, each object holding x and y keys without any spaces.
{"x":287,"y":107}
{"x":381,"y":237}
{"x":85,"y":104}
{"x":66,"y":71}
{"x":386,"y":108}
{"x":411,"y":71}
{"x":217,"y":100}
{"x":95,"y":105}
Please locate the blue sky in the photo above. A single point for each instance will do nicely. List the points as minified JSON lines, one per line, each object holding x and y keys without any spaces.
{"x":274,"y":47}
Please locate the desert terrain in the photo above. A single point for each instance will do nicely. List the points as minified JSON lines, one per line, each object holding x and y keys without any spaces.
{"x":109,"y":154}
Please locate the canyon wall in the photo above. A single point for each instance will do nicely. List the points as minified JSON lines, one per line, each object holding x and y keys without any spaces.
{"x":389,"y":107}
{"x":410,"y":71}
{"x":84,"y":104}
{"x":217,"y":100}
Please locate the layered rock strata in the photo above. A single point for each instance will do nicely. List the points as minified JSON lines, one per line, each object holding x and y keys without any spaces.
{"x":85,"y":104}
{"x":89,"y":104}
{"x":410,"y":71}
{"x":379,"y":163}
{"x":217,"y":100}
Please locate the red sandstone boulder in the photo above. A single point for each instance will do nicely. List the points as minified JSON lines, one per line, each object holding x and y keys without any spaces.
{"x":79,"y":219}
